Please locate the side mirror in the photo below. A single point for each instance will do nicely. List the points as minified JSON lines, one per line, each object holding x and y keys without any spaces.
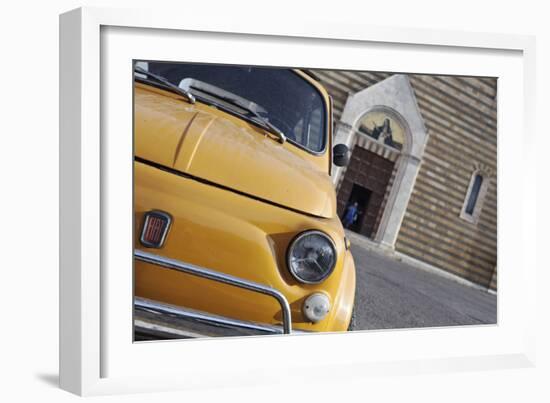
{"x":340,"y":155}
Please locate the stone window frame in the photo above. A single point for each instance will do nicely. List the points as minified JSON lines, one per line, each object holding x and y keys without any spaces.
{"x":482,"y":195}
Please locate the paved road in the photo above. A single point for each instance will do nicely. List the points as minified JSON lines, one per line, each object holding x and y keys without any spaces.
{"x":392,"y":294}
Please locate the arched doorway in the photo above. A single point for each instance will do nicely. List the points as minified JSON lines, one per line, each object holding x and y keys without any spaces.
{"x":379,"y":140}
{"x":383,"y":127}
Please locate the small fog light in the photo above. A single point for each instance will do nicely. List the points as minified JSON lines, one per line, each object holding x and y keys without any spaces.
{"x":316,"y":307}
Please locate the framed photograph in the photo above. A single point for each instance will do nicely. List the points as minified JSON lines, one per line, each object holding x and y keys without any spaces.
{"x":247,"y":204}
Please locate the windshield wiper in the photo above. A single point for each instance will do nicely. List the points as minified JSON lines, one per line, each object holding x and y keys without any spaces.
{"x":190,"y":97}
{"x":252,"y":108}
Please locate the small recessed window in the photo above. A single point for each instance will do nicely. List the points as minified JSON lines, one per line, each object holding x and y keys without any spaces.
{"x":474,"y":194}
{"x":473,"y":201}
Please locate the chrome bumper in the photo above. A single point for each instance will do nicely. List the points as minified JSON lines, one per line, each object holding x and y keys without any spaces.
{"x":169,"y":321}
{"x":156,"y":320}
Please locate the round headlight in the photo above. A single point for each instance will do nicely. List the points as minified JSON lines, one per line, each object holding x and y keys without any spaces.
{"x":311,"y":257}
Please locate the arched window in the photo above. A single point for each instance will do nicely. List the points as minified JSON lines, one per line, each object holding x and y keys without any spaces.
{"x":475,"y":196}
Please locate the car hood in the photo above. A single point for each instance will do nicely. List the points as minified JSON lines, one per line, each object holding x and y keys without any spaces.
{"x":217,"y":147}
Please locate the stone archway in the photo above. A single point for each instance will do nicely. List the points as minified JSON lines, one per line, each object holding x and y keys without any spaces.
{"x":395,"y":97}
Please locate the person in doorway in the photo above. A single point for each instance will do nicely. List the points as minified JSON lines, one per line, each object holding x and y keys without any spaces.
{"x":350,"y":214}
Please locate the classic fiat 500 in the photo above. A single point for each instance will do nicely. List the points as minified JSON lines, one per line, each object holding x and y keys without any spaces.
{"x":235,"y":212}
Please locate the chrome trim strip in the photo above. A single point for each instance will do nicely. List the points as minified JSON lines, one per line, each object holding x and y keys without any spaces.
{"x":221,"y":278}
{"x":199,"y":323}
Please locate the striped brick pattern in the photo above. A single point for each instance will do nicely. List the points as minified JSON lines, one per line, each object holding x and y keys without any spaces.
{"x":461,"y":117}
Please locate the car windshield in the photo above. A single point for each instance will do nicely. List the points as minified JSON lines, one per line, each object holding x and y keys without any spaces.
{"x":291,"y":103}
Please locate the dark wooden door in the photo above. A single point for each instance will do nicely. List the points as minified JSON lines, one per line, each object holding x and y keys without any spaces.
{"x":366,"y":172}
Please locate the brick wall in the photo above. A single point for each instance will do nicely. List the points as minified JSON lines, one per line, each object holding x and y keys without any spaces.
{"x":460,"y":115}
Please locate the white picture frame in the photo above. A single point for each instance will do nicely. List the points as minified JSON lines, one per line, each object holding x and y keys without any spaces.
{"x":97,"y":355}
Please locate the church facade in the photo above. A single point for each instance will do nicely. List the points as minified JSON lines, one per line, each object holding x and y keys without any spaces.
{"x":422,"y":171}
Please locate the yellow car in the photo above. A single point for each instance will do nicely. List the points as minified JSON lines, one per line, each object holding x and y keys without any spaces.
{"x":235,"y":213}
